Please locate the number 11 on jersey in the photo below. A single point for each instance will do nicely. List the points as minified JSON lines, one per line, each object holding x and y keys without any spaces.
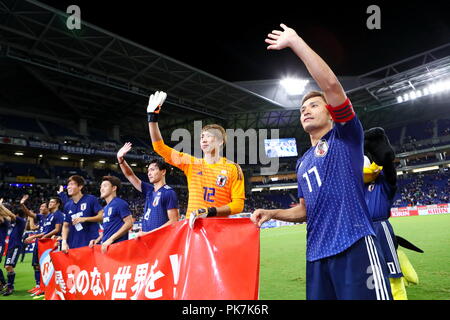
{"x":316,"y":173}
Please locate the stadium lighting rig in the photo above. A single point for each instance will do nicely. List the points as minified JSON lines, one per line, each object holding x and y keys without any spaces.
{"x":433,"y":88}
{"x":294,"y":86}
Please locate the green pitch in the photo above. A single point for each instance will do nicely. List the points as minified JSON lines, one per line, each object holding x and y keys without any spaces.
{"x":283,"y":261}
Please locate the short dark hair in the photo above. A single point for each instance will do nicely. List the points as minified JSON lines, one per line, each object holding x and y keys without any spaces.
{"x":79,"y":180}
{"x":313,"y":94}
{"x":161,"y":164}
{"x":114,"y":181}
{"x":57,"y":199}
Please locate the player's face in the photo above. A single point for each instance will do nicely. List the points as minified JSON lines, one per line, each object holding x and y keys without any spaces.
{"x":52,"y":204}
{"x":209,"y":141}
{"x":106,"y":189}
{"x":314,"y":115}
{"x":154,"y":174}
{"x":73,"y":188}
{"x":43,"y":209}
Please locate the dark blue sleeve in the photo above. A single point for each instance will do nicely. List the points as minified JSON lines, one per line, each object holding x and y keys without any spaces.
{"x":171,"y":200}
{"x":386,"y":187}
{"x":300,"y":192}
{"x":351,"y":131}
{"x":96,"y":207}
{"x":124,"y":209}
{"x":59,"y":217}
{"x":146,"y":187}
{"x":64,"y":197}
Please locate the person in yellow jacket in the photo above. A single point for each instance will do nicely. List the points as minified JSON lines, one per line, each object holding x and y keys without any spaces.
{"x":215,"y":184}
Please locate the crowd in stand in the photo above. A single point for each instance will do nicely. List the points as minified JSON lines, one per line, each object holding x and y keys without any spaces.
{"x":424,"y":190}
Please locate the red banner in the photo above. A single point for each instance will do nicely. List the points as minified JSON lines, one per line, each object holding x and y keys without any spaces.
{"x":218,"y":259}
{"x":443,"y":208}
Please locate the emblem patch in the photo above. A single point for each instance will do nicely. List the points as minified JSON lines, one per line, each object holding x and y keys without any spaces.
{"x":321,"y":148}
{"x":221,"y":180}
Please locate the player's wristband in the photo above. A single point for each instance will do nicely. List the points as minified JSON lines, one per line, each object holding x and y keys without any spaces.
{"x":212,"y":212}
{"x":152,"y":117}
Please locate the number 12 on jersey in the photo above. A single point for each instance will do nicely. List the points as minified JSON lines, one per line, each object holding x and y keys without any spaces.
{"x":316,"y":173}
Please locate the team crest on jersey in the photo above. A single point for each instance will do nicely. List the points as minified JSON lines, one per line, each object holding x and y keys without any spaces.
{"x":371,"y":187}
{"x":83,"y":206}
{"x":109,"y":211}
{"x":156,"y":200}
{"x":321,"y":148}
{"x":221,"y":180}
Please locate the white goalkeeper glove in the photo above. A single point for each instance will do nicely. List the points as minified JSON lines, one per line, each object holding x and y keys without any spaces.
{"x":201,"y":213}
{"x":154,"y":105}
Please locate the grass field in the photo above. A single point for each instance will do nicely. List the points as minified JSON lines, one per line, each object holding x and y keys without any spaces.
{"x":283,"y":260}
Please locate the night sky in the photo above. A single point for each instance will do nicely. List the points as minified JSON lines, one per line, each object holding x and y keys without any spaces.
{"x":226,"y":38}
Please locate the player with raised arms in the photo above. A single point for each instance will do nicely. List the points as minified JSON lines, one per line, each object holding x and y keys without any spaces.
{"x":343,"y":256}
{"x":216,"y":184}
{"x":161,"y":202}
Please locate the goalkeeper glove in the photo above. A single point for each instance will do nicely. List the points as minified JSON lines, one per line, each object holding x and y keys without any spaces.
{"x":154,"y":105}
{"x":201,"y":213}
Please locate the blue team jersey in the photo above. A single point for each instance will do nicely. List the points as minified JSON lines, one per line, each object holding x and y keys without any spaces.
{"x":83,"y":233}
{"x":48,"y":222}
{"x":4,"y":226}
{"x":156,"y":205}
{"x":379,"y":197}
{"x":330,"y":179}
{"x":113,"y":215}
{"x":15,"y":237}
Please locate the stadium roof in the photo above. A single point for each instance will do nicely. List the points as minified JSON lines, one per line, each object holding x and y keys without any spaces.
{"x":94,"y":71}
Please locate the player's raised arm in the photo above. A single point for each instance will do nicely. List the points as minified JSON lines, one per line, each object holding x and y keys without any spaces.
{"x":29,"y":213}
{"x":170,"y":155}
{"x":126,"y":169}
{"x":318,"y":69}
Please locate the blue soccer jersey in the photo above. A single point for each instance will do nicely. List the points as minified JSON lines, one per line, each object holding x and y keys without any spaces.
{"x":113,"y":215}
{"x":156,"y":205}
{"x":15,"y":237}
{"x":49,"y":221}
{"x":379,"y":196}
{"x":81,"y":234}
{"x":330,"y":179}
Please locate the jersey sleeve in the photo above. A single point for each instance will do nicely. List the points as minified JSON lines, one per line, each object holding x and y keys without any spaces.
{"x":59,"y":217}
{"x":124,"y":210}
{"x":178,"y":159}
{"x":64,"y":197}
{"x":146,"y":187}
{"x":347,"y":123}
{"x":171,"y":200}
{"x":96,"y":207}
{"x":237,"y":190}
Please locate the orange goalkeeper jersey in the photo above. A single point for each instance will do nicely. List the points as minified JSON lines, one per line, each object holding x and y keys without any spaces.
{"x":209,"y":185}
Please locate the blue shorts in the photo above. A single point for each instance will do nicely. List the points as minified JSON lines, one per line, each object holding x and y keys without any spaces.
{"x":12,"y":255}
{"x":388,"y":244}
{"x":358,"y":273}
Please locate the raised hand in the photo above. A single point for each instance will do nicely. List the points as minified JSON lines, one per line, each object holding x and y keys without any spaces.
{"x":278,"y":40}
{"x":124,"y":150}
{"x":155,"y":102}
{"x":24,"y":198}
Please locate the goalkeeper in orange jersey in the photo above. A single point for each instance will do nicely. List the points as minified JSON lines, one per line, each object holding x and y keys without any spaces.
{"x":216,"y":185}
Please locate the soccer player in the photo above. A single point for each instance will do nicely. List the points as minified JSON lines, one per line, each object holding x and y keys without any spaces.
{"x":82,"y":215}
{"x":380,"y":178}
{"x":117,"y":219}
{"x":4,"y":226}
{"x":15,"y":242}
{"x":51,"y":220}
{"x":161,"y":202}
{"x":216,"y":185}
{"x":343,"y":258}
